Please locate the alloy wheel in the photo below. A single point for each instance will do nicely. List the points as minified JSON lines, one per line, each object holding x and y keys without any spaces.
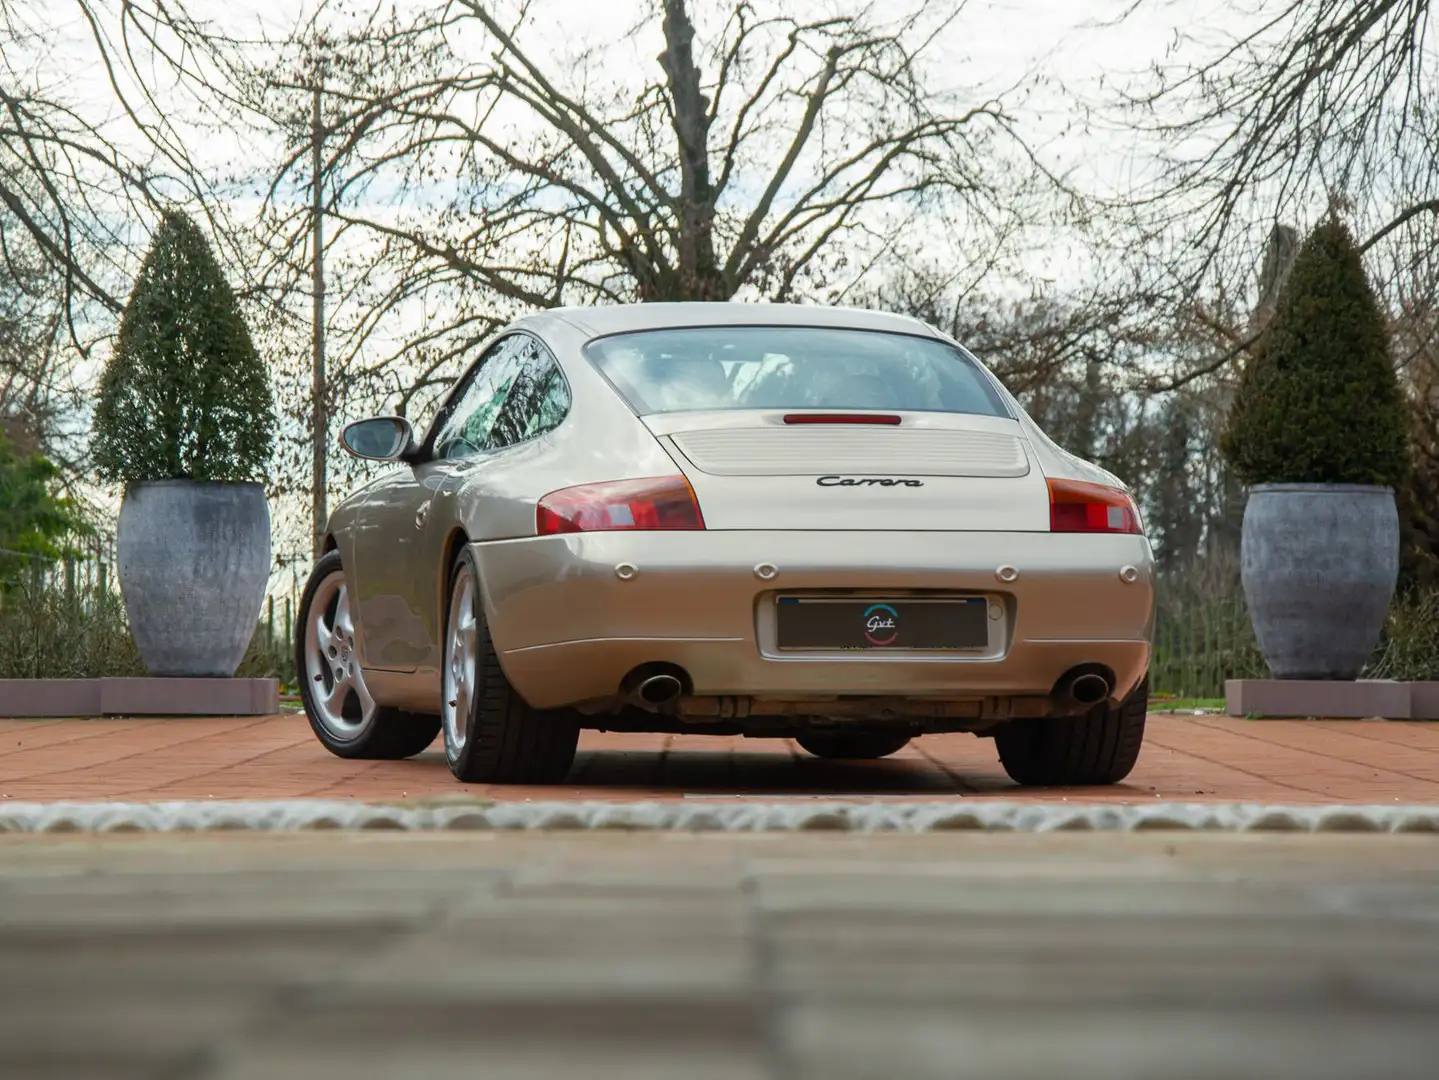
{"x":338,"y":695}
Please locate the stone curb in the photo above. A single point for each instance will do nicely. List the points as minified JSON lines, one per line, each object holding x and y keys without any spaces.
{"x":166,"y":817}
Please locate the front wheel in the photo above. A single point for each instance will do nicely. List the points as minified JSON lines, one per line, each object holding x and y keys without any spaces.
{"x":854,"y":745}
{"x":492,"y":735}
{"x":1099,"y":747}
{"x":342,"y":714}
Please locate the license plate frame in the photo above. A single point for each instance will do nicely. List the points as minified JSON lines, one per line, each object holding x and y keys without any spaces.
{"x":878,"y":625}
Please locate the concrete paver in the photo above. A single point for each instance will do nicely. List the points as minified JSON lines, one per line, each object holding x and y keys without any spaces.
{"x":842,"y":957}
{"x":1185,"y":759}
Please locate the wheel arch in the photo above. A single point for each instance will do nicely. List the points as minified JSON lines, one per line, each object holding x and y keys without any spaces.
{"x":457,"y":540}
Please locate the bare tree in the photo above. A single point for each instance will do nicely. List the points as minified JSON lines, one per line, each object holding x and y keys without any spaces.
{"x":1312,"y":98}
{"x":770,"y":158}
{"x":1310,"y":105}
{"x":101,"y":104}
{"x":31,"y":394}
{"x":473,"y":169}
{"x":75,"y":175}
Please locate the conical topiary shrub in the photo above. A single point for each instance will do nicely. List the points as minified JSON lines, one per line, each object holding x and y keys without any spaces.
{"x":185,"y":395}
{"x":185,"y":420}
{"x":1319,"y":401}
{"x":1319,"y":429}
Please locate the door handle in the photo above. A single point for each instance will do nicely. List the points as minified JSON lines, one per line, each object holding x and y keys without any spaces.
{"x":422,"y":515}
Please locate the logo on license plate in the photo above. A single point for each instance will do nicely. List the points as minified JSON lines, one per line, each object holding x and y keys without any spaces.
{"x":881,"y":624}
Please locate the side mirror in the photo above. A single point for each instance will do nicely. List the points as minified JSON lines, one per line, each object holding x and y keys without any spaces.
{"x":381,"y":438}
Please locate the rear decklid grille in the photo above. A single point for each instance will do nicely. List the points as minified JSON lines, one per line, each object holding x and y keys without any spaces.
{"x":800,"y":450}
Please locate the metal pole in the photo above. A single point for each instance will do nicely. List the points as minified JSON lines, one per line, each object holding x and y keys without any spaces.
{"x":320,"y":419}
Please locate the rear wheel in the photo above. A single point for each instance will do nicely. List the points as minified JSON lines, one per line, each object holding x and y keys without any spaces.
{"x":342,"y":714}
{"x":492,"y":736}
{"x":855,"y":745}
{"x":1100,"y":747}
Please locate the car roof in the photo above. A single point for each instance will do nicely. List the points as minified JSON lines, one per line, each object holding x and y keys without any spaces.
{"x":623,"y":318}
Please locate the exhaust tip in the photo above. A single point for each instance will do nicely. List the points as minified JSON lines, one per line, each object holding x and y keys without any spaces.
{"x":659,"y":689}
{"x":654,"y":686}
{"x":1089,"y":689}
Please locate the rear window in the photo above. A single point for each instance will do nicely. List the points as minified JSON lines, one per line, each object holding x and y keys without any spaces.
{"x":791,"y":367}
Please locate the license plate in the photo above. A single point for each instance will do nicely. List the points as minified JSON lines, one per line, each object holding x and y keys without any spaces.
{"x":817,"y":623}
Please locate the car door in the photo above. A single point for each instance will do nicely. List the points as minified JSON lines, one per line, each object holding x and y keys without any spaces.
{"x":535,"y":399}
{"x":393,"y":576}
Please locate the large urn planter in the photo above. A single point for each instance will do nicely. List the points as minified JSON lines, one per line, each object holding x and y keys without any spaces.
{"x":193,"y":560}
{"x":1319,"y":564}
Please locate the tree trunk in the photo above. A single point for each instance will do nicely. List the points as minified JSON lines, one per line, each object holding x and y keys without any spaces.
{"x":697,"y":275}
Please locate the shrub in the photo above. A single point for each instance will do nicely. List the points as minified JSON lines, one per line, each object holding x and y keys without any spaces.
{"x":1203,"y":635}
{"x":184,"y":394}
{"x":51,"y":629}
{"x":1409,"y":648}
{"x":50,"y":632}
{"x":36,"y":517}
{"x":1319,"y":401}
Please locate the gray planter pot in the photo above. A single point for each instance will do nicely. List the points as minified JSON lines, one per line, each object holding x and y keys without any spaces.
{"x":1319,"y":563}
{"x":193,"y":560}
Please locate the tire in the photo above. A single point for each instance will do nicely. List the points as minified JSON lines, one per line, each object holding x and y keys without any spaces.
{"x":492,"y":735}
{"x":854,"y":746}
{"x":1100,"y":747}
{"x":358,"y":728}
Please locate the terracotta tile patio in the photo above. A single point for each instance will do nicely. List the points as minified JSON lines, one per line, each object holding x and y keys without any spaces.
{"x":1186,"y":758}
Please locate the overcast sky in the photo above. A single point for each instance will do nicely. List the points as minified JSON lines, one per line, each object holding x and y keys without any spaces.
{"x":990,"y":46}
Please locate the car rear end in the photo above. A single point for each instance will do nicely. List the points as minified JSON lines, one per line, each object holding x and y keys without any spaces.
{"x":854,"y":524}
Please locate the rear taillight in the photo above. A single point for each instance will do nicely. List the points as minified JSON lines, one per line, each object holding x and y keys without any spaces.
{"x":666,"y":502}
{"x":1077,"y":506}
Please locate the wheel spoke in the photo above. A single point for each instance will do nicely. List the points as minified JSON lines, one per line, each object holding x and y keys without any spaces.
{"x":344,"y":624}
{"x":324,"y":637}
{"x":367,"y":703}
{"x":335,"y":699}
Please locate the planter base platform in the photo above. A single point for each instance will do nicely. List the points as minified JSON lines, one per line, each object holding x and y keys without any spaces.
{"x":1361,"y":699}
{"x":139,"y":697}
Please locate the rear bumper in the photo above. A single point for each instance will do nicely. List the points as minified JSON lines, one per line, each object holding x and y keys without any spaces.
{"x":570,"y":620}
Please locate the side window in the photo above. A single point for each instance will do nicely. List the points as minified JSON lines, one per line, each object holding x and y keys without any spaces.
{"x":466,"y":428}
{"x":538,"y":401}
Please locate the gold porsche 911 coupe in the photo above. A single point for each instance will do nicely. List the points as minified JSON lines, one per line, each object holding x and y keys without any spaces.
{"x":829,"y":525}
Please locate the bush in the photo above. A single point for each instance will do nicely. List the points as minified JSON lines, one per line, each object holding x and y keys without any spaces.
{"x":1319,"y":401}
{"x":36,"y":518}
{"x":51,"y":630}
{"x":1409,"y":648}
{"x":1202,"y":632}
{"x":184,"y":395}
{"x":1203,"y":636}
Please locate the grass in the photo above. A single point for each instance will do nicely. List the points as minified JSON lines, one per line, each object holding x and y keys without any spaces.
{"x":1180,"y":704}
